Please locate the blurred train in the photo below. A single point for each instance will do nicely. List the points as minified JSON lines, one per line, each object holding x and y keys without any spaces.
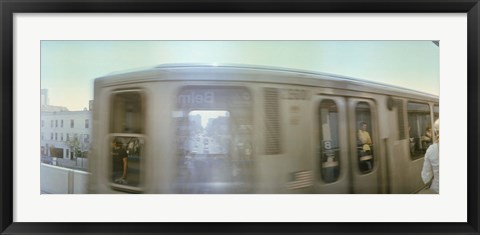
{"x":245,"y":129}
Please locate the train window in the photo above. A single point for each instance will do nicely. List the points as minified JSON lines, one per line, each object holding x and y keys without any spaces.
{"x":126,"y":139}
{"x":126,"y":154}
{"x":420,"y":131}
{"x":329,"y":140}
{"x":436,"y":112}
{"x":364,"y":139}
{"x":126,"y":113}
{"x":215,"y":151}
{"x":214,"y":146}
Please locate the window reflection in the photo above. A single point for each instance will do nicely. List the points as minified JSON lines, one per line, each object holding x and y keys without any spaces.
{"x":419,"y":128}
{"x":215,"y":152}
{"x":209,"y":132}
{"x":127,"y":114}
{"x":126,"y":154}
{"x":329,"y":140}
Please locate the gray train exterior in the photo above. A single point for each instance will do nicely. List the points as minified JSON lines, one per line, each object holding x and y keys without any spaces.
{"x":286,"y":131}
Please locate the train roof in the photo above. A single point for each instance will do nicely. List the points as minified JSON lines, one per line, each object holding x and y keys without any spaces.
{"x":263,"y":74}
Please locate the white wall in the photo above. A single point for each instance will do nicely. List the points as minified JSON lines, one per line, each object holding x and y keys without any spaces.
{"x":59,"y":180}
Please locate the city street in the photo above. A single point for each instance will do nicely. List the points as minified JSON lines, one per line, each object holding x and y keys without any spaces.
{"x":203,"y":144}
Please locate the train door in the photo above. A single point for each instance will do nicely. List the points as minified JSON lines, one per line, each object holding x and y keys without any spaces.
{"x":126,"y":140}
{"x":332,"y":173}
{"x":364,"y":146}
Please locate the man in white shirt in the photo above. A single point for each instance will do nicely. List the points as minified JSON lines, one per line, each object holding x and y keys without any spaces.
{"x":431,"y":163}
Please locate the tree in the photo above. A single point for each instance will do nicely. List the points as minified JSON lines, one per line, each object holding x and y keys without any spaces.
{"x":76,"y":147}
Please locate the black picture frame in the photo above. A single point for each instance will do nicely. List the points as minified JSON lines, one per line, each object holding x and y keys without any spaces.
{"x":9,"y":7}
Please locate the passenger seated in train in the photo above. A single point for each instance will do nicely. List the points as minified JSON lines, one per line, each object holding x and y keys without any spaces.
{"x":420,"y":143}
{"x":365,"y":148}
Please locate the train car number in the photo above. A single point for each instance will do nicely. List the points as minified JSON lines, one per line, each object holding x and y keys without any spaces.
{"x":294,"y":94}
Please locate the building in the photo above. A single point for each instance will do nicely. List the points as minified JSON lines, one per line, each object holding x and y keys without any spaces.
{"x":65,"y":134}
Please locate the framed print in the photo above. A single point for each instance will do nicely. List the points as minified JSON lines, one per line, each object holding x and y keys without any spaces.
{"x":239,"y":117}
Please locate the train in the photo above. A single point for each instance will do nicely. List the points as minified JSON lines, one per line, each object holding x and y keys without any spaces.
{"x":243,"y":129}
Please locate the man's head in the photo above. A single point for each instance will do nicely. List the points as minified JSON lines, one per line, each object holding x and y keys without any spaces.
{"x":363,"y":126}
{"x":118,"y":144}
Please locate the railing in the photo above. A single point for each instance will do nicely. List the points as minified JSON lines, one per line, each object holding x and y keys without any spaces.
{"x":59,"y":180}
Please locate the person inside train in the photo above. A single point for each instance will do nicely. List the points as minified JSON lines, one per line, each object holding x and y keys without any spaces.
{"x":365,"y":152}
{"x":364,"y":137}
{"x":430,"y":170}
{"x":120,"y":159}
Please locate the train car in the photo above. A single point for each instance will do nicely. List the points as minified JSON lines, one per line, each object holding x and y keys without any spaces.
{"x":244,"y":129}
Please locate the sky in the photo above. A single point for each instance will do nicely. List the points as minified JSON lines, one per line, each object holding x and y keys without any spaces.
{"x":208,"y":114}
{"x":68,"y":68}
